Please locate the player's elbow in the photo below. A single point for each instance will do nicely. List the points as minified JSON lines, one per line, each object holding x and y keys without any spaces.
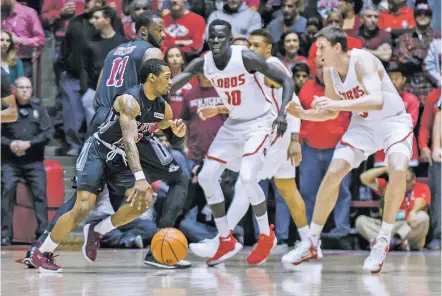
{"x":378,"y":104}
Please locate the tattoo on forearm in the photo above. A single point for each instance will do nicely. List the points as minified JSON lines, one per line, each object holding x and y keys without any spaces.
{"x":132,"y":155}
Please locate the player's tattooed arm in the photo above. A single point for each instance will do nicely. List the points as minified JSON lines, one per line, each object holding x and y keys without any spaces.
{"x":129,"y":109}
{"x":194,"y":68}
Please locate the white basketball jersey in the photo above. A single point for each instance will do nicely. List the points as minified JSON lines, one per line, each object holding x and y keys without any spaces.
{"x":241,"y":91}
{"x":351,"y":89}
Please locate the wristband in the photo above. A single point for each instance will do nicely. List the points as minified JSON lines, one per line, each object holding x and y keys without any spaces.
{"x":139,"y":176}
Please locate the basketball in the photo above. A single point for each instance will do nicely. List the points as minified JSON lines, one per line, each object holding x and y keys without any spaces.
{"x":169,"y":246}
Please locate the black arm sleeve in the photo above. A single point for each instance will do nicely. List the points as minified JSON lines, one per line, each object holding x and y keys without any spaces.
{"x":172,"y":138}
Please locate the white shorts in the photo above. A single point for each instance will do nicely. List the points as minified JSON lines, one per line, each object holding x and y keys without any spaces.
{"x":365,"y":137}
{"x":236,"y":139}
{"x":276,"y":164}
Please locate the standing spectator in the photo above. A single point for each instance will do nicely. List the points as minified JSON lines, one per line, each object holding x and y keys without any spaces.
{"x":183,"y":28}
{"x":9,"y":111}
{"x":411,"y":50}
{"x":411,"y":102}
{"x":175,"y":58}
{"x":373,"y":39}
{"x":350,"y":10}
{"x":301,"y":73}
{"x":243,"y":19}
{"x":398,"y":16}
{"x":134,"y":9}
{"x":96,"y":51}
{"x":23,"y":144}
{"x":333,"y":19}
{"x":289,"y":21}
{"x":319,"y":140}
{"x":412,"y":222}
{"x":26,"y":30}
{"x":434,"y":169}
{"x":289,"y":48}
{"x":432,"y":62}
{"x":10,"y":63}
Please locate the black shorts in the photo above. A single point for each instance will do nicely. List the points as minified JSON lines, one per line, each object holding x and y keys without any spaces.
{"x":93,"y":168}
{"x":97,"y":120}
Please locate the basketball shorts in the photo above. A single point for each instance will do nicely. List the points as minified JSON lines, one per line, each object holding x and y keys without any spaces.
{"x":238,"y":139}
{"x":365,"y":137}
{"x":276,"y":164}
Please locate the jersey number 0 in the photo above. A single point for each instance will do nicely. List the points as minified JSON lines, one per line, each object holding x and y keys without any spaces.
{"x":117,"y":72}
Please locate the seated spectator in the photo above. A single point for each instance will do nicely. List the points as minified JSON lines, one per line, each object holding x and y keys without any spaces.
{"x":23,"y":144}
{"x":350,"y":10}
{"x":333,"y":19}
{"x":240,"y":40}
{"x":26,"y":30}
{"x":134,"y":9}
{"x":314,"y":25}
{"x":289,"y":21}
{"x":319,"y":140}
{"x":10,"y":63}
{"x":373,"y":39}
{"x":432,"y":62}
{"x":183,"y":28}
{"x":412,"y":221}
{"x":411,"y":50}
{"x":243,"y":19}
{"x":398,"y":16}
{"x":135,"y":234}
{"x":289,"y":48}
{"x":175,"y":58}
{"x":301,"y":74}
{"x":411,"y":102}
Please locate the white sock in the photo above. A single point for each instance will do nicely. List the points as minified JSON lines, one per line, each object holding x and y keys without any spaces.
{"x":263,"y":224}
{"x":315,"y":233}
{"x":223,"y":226}
{"x":304,"y":233}
{"x":48,"y":245}
{"x":104,"y":226}
{"x":385,"y":232}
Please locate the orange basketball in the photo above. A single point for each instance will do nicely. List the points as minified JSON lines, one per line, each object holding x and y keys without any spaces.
{"x":169,"y":246}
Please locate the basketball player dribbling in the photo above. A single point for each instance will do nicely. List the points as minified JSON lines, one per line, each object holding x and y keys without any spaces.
{"x":356,"y":81}
{"x":282,"y":169}
{"x":244,"y":137}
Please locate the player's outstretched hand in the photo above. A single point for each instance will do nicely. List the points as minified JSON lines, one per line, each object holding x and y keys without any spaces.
{"x":140,"y":195}
{"x":281,"y":124}
{"x":295,"y":109}
{"x":178,"y":127}
{"x":324,"y":103}
{"x":294,"y":153}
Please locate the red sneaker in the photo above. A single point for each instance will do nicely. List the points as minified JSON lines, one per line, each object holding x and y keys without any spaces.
{"x":91,"y":243}
{"x":44,"y":262}
{"x":228,"y":247}
{"x":263,"y":248}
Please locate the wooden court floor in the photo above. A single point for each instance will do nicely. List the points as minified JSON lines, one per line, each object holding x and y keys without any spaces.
{"x":122,"y":273}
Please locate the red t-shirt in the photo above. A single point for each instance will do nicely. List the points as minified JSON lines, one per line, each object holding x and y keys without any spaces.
{"x":420,"y":190}
{"x":403,"y":20}
{"x":190,"y":26}
{"x":320,"y":135}
{"x":428,"y":118}
{"x":352,"y":42}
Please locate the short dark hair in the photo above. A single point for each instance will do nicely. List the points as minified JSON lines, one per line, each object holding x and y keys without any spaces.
{"x":335,"y":35}
{"x":219,"y":22}
{"x":108,"y":12}
{"x":301,"y":67}
{"x":314,"y":21}
{"x":263,"y":33}
{"x":151,"y":66}
{"x":146,"y":19}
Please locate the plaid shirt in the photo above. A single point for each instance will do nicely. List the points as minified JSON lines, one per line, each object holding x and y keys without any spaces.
{"x":410,"y":52}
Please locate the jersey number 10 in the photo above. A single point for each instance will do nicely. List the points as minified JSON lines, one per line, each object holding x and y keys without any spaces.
{"x":234,"y":97}
{"x":117,"y":72}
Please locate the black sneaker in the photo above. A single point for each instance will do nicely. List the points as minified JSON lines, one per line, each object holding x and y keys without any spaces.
{"x":150,"y":260}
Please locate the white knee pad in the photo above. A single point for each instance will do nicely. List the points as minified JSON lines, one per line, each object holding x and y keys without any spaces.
{"x":208,"y":179}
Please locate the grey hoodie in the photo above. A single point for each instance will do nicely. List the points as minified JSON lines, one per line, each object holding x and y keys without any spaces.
{"x":244,"y":22}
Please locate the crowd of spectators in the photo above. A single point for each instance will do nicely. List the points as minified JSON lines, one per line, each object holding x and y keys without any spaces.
{"x":404,"y":35}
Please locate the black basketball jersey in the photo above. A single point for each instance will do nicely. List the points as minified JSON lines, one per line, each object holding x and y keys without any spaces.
{"x":120,"y":71}
{"x":151,"y":112}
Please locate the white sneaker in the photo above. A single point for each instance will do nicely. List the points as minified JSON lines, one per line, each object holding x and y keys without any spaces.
{"x":376,"y":259}
{"x":319,"y":250}
{"x":206,"y":248}
{"x":302,"y":251}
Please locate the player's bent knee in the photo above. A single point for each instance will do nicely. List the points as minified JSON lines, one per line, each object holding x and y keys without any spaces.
{"x":397,"y":162}
{"x":84,"y":203}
